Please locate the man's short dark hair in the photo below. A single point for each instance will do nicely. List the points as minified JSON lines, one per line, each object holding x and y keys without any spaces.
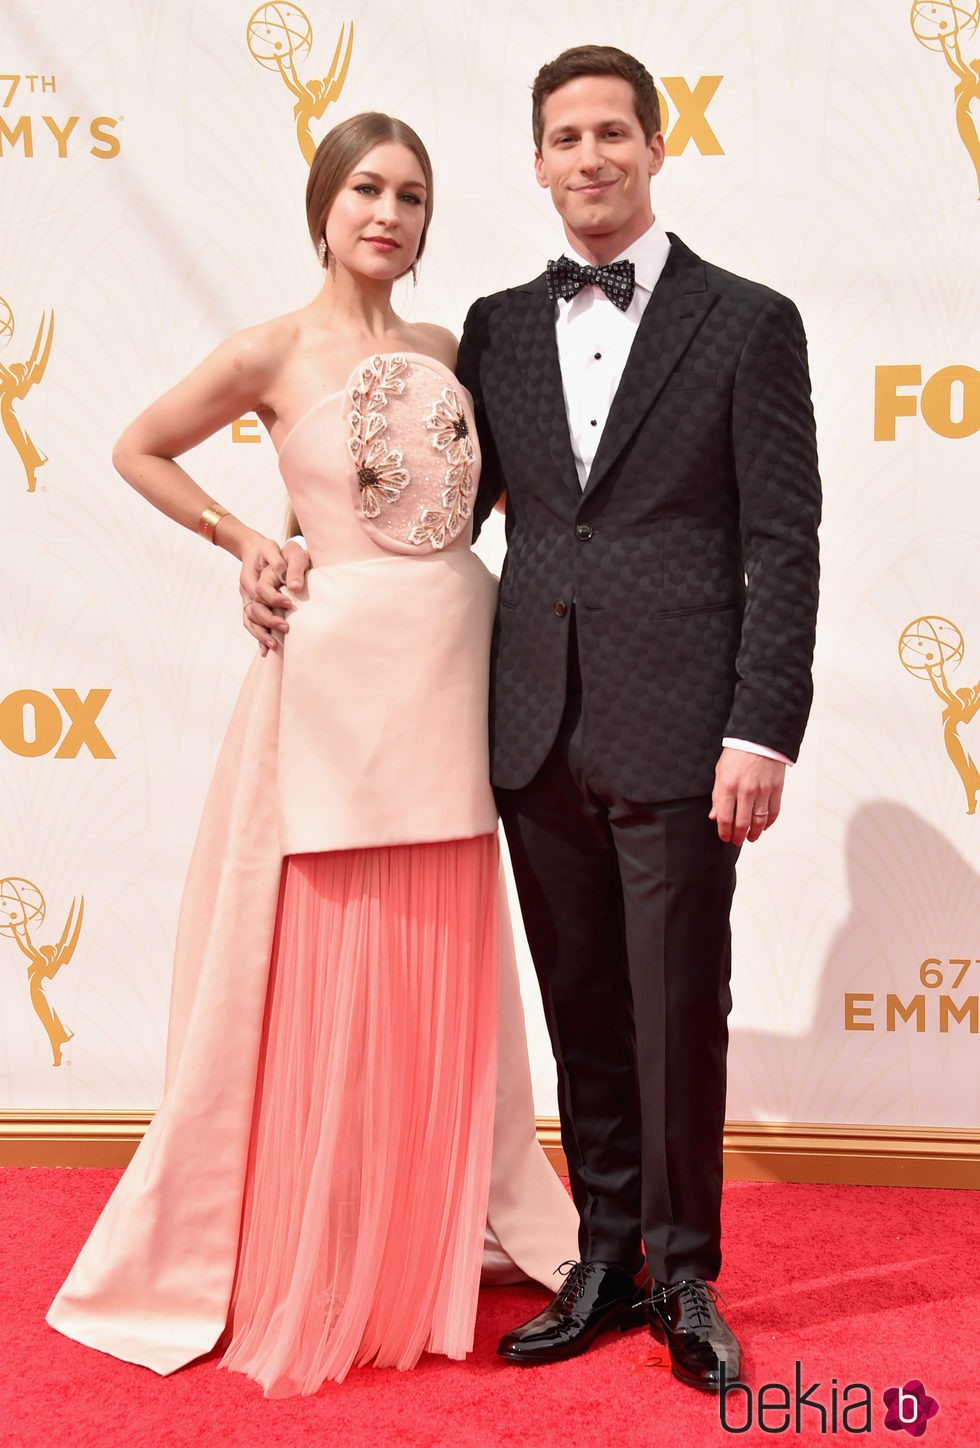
{"x":596,"y":60}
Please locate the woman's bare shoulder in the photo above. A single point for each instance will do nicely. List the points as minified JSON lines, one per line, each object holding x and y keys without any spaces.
{"x":439,"y":342}
{"x":264,"y":346}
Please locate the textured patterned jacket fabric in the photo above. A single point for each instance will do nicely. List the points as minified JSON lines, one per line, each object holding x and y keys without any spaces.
{"x":690,"y":558}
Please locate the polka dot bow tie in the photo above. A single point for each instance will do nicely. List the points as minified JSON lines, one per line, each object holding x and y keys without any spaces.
{"x":566,"y":279}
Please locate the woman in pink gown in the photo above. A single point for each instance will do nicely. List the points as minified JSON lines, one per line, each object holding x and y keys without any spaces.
{"x":320,"y":1196}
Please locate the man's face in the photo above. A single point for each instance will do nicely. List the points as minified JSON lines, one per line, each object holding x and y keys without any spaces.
{"x":597,"y":165}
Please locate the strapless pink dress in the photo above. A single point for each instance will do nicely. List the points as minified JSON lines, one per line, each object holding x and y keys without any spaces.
{"x":347,"y":1104}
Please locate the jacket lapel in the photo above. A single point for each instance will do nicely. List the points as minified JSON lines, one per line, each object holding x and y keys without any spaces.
{"x":680,"y":302}
{"x":533,"y":323}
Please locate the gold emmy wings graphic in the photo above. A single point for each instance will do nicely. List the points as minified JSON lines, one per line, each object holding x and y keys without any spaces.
{"x":22,"y":911}
{"x":944,"y":26}
{"x":928,"y":648}
{"x":16,"y":381}
{"x":278,"y":36}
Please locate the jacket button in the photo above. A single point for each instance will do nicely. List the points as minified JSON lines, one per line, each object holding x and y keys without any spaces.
{"x":561,"y":608}
{"x":583,"y":531}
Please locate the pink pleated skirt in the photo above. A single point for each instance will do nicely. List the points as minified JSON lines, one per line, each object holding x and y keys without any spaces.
{"x":368,"y":1175}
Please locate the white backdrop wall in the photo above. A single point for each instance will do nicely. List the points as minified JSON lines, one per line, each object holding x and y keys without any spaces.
{"x":151,"y":202}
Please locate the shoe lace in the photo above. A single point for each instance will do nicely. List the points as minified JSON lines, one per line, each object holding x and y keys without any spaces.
{"x":575,"y":1276}
{"x":696,"y":1300}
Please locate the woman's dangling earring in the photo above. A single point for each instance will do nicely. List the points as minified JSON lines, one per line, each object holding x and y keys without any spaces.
{"x":321,"y":251}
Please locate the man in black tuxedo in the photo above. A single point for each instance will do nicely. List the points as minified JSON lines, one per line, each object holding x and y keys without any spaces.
{"x":649,"y":420}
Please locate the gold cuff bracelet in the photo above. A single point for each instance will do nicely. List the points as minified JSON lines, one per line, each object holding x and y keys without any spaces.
{"x":210,"y":519}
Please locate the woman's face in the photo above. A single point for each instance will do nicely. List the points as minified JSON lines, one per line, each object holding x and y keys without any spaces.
{"x":375,"y":223}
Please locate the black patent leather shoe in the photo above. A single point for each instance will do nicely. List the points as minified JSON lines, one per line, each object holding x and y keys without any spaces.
{"x":595,"y":1297}
{"x":685,"y":1316}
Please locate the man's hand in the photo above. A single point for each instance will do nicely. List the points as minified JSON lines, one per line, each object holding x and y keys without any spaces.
{"x":747,"y":794}
{"x":267,"y":573}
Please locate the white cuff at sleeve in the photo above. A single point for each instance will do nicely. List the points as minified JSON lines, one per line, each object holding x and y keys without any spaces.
{"x":762,"y":749}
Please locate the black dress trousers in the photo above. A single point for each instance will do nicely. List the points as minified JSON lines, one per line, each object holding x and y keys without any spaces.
{"x":626,"y":908}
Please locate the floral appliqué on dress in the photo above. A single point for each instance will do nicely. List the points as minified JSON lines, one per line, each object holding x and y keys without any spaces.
{"x":381,"y":474}
{"x":451,"y":437}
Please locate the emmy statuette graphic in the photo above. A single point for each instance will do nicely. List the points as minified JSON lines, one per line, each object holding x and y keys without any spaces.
{"x":944,"y":26}
{"x":928,"y":648}
{"x":278,"y":36}
{"x":16,"y":381}
{"x":22,"y":911}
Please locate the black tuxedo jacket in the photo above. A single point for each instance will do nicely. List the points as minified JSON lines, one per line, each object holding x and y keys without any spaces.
{"x":690,"y":557}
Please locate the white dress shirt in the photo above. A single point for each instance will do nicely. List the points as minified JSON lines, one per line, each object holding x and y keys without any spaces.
{"x":594,"y":339}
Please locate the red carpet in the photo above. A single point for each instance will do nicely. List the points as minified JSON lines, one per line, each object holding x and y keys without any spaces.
{"x":859,"y":1285}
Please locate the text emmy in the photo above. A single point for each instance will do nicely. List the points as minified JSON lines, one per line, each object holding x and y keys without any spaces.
{"x":932,"y":1008}
{"x":27,"y":132}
